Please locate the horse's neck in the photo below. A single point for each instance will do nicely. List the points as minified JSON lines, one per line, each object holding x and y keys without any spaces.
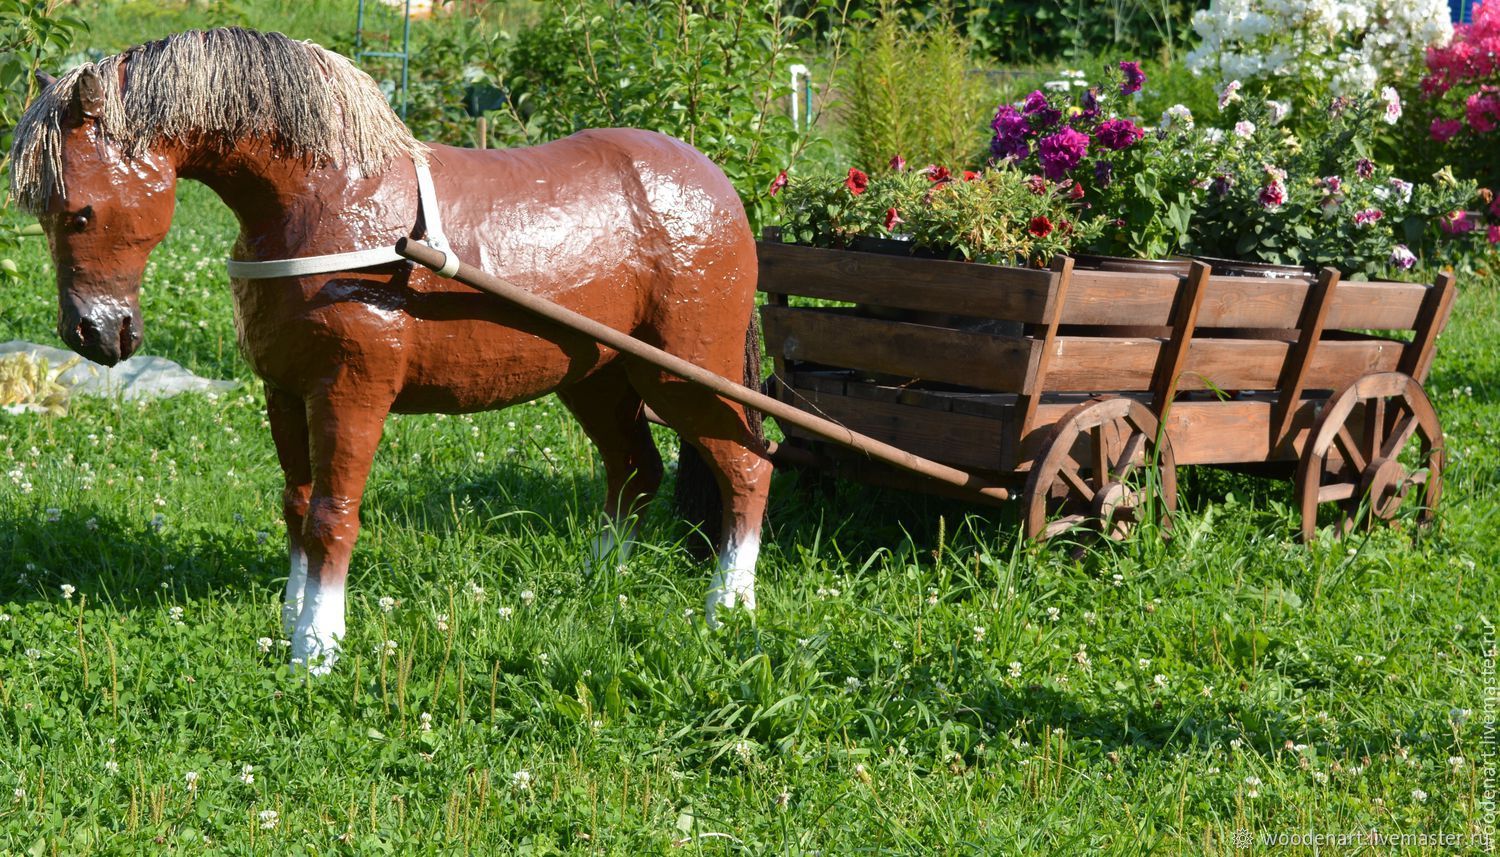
{"x":285,"y":205}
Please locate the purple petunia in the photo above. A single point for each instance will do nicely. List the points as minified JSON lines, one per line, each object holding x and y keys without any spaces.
{"x":1104,"y":173}
{"x":1012,"y":133}
{"x":1134,"y":78}
{"x":1061,"y":152}
{"x":1040,"y":111}
{"x":1119,"y":134}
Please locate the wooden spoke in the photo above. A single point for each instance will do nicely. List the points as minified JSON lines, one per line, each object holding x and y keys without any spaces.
{"x":1113,"y":439}
{"x":1353,"y":455}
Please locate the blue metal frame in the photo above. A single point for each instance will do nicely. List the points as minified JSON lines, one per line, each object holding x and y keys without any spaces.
{"x":404,"y":54}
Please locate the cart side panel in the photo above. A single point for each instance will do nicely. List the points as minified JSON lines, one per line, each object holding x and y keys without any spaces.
{"x":1095,"y":363}
{"x":1115,"y":298}
{"x":846,"y":339}
{"x":900,"y":282}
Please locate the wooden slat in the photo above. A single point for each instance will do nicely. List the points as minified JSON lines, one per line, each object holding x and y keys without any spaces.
{"x":934,"y":285}
{"x":996,"y":363}
{"x":1174,"y":352}
{"x":1432,"y":319}
{"x":1036,"y":380}
{"x":1236,"y":431}
{"x":1116,"y":298}
{"x":959,"y":440}
{"x":1103,"y":364}
{"x":1294,"y":374}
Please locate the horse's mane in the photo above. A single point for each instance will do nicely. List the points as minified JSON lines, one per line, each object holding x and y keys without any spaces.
{"x":218,"y":87}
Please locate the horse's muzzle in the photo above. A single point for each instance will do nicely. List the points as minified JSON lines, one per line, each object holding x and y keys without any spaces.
{"x":104,"y":336}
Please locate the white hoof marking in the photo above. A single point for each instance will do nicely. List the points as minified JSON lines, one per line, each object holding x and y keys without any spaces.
{"x":608,"y":544}
{"x":296,"y":584}
{"x":320,"y":628}
{"x":733,"y":585}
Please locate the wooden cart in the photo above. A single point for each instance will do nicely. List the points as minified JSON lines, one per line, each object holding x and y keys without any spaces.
{"x":1084,"y":389}
{"x":1088,"y":388}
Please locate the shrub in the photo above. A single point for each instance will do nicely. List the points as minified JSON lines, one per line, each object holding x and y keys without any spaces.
{"x":994,"y":215}
{"x":906,"y":90}
{"x":1461,"y":97}
{"x":1309,"y":49}
{"x":712,"y":74}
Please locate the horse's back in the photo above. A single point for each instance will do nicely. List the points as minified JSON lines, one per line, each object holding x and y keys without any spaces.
{"x":632,"y":228}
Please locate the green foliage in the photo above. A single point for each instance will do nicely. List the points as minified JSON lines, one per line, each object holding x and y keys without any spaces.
{"x":992,"y":216}
{"x":1329,"y":198}
{"x":1026,"y":31}
{"x":907,"y":91}
{"x":711,"y":74}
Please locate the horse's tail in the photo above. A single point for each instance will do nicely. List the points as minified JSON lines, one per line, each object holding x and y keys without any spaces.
{"x":697,"y":496}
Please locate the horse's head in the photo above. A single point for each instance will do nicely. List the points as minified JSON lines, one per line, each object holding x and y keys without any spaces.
{"x":102,"y":219}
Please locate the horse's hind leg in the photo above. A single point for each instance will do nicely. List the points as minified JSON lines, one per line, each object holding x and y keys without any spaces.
{"x":737,"y":458}
{"x":288,"y":418}
{"x":612,"y":415}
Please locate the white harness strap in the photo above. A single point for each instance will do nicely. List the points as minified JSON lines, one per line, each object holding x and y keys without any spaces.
{"x":328,"y":263}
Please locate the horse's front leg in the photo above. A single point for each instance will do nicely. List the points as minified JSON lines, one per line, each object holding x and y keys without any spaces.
{"x":344,"y":431}
{"x":288,"y":417}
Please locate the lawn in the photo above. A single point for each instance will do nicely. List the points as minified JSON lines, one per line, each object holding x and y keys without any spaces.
{"x":916,"y":680}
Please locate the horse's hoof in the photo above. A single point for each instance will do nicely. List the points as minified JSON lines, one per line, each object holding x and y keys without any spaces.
{"x":728,"y":590}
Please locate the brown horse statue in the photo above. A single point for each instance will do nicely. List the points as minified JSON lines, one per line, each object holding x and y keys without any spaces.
{"x":631,"y":228}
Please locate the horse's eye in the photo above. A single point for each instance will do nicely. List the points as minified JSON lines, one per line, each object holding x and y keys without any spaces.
{"x":80,"y":221}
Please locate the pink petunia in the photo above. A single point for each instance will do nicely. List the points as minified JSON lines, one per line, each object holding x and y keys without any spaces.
{"x":1443,"y":130}
{"x":892,"y":217}
{"x":778,"y":183}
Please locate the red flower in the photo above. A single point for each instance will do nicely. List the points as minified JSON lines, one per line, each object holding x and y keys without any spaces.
{"x":898,"y":164}
{"x":1076,"y":191}
{"x":970,"y":175}
{"x":937,"y":174}
{"x":1494,"y":235}
{"x":778,"y":183}
{"x":1041,"y":227}
{"x":1037,"y":185}
{"x":857,"y":181}
{"x":892,"y":217}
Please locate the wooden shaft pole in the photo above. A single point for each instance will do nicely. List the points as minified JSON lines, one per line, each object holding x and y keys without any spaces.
{"x":420,"y":253}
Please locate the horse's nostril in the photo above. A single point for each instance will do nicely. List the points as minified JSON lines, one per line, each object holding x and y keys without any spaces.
{"x":127,"y":337}
{"x":87,"y":330}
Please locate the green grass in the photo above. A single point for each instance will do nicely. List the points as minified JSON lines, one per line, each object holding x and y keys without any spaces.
{"x":1303,"y":689}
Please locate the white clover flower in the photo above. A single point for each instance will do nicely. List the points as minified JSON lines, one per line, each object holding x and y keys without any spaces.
{"x":506,"y":613}
{"x":174,"y":614}
{"x":191,"y":780}
{"x":442,"y":621}
{"x":979,"y":633}
{"x":67,"y":591}
{"x":1054,"y":614}
{"x":425,"y":720}
{"x":390,"y":647}
{"x":1015,"y":669}
{"x":622,"y":599}
{"x":852,"y":684}
{"x":521,"y":780}
{"x":1159,"y":680}
{"x":386,"y":603}
{"x":1419,"y":796}
{"x":111,"y":767}
{"x":476,"y":591}
{"x":265,"y":645}
{"x":269,"y":818}
{"x":527,"y":596}
{"x":1143,"y":663}
{"x":247,"y":774}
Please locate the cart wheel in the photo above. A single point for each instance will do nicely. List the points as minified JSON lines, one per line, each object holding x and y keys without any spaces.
{"x":1093,"y":471}
{"x":1374,"y":442}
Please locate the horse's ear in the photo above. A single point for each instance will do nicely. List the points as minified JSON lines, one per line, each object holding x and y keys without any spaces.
{"x":44,"y":79}
{"x":88,"y":95}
